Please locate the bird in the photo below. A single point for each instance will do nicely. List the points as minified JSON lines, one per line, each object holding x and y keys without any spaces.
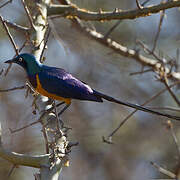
{"x":58,"y":84}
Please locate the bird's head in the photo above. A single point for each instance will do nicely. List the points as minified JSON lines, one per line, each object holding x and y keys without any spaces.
{"x":28,"y":62}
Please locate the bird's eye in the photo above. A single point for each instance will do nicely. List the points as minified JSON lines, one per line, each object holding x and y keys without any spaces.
{"x":20,"y":59}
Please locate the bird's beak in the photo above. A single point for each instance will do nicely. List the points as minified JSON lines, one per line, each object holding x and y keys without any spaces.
{"x":10,"y":61}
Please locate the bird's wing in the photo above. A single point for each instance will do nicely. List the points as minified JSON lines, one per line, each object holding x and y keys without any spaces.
{"x":61,"y":83}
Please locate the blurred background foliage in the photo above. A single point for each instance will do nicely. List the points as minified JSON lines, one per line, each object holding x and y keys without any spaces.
{"x":142,"y":139}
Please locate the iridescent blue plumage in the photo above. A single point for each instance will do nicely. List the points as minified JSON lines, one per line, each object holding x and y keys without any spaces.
{"x":58,"y":84}
{"x":55,"y":81}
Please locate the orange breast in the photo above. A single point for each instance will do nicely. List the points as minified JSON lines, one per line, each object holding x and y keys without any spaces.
{"x":43,"y":92}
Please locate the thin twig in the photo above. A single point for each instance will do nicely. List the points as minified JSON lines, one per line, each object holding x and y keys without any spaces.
{"x":8,"y":69}
{"x":17,"y":27}
{"x":140,"y":72}
{"x":24,"y":127}
{"x":159,"y":29}
{"x":109,"y":137}
{"x":10,"y":65}
{"x":28,"y":14}
{"x":11,"y":170}
{"x":177,"y":60}
{"x":57,"y":118}
{"x":112,"y":29}
{"x":164,"y":108}
{"x":9,"y":35}
{"x":10,"y":1}
{"x":171,"y":127}
{"x":45,"y":138}
{"x":145,"y":2}
{"x":12,"y":41}
{"x":163,"y":171}
{"x":139,"y":5}
{"x":145,"y":48}
{"x":1,"y":72}
{"x":12,"y":89}
{"x":48,"y":31}
{"x":165,"y":81}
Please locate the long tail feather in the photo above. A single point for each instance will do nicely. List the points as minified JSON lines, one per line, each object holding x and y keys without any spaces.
{"x":135,"y":106}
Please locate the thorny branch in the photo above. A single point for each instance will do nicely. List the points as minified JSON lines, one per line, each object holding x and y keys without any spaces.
{"x":73,"y":11}
{"x":58,"y":150}
{"x":155,"y":64}
{"x":76,"y":12}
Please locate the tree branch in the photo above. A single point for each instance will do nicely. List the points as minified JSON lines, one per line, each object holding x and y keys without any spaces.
{"x":24,"y":160}
{"x":72,"y":11}
{"x":15,"y":26}
{"x":129,"y":53}
{"x":122,"y":50}
{"x":12,"y":89}
{"x":10,"y":37}
{"x":21,"y":159}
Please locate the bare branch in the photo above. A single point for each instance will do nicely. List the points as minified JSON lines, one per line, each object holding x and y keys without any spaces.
{"x":24,"y":160}
{"x":112,"y":29}
{"x":109,"y":137}
{"x":159,"y":29}
{"x":11,"y":170}
{"x":10,"y":1}
{"x":151,"y":52}
{"x":12,"y":89}
{"x":45,"y":138}
{"x":21,"y":159}
{"x":164,"y":171}
{"x":165,"y":81}
{"x":138,"y":4}
{"x":168,"y":108}
{"x":10,"y":37}
{"x":122,"y":50}
{"x":28,"y":14}
{"x":48,"y":31}
{"x":141,"y":72}
{"x":73,"y":11}
{"x":17,"y":27}
{"x":10,"y":65}
{"x":24,"y":127}
{"x":170,"y":126}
